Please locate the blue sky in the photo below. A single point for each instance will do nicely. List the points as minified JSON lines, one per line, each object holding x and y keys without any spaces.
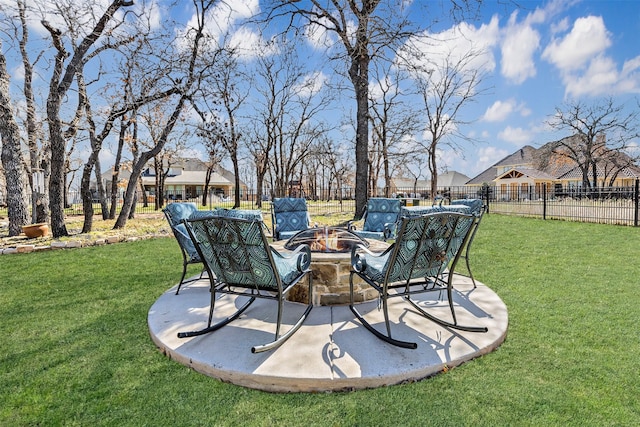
{"x":546,"y":54}
{"x":536,"y":57}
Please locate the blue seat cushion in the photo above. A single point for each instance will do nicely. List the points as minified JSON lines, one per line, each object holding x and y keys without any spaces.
{"x":179,"y":211}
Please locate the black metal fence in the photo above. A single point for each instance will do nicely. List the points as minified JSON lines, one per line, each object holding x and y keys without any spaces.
{"x":608,"y":205}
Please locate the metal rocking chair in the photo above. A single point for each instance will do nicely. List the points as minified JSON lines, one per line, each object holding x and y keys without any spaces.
{"x":241,"y":262}
{"x":478,"y":209}
{"x":424,"y":248}
{"x":175,"y":214}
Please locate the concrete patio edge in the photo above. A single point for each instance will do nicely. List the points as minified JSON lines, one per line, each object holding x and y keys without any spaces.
{"x":332,"y":351}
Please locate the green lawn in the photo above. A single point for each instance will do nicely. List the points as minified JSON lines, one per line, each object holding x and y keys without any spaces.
{"x":76,"y":348}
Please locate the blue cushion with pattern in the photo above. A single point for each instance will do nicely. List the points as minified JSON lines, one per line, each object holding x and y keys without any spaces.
{"x":381,"y":211}
{"x":291,"y":216}
{"x":424,"y":247}
{"x":237,"y":252}
{"x":476,"y":205}
{"x":249,"y":214}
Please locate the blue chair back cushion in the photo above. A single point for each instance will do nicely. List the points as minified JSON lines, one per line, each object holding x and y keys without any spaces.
{"x":291,"y":215}
{"x":474,"y":204}
{"x":381,"y":211}
{"x":176,"y":212}
{"x":424,"y":248}
{"x":238,"y":253}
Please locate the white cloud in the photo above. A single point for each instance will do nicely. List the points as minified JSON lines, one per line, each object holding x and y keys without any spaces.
{"x":516,"y":136}
{"x":220,"y":21}
{"x":85,"y":11}
{"x":588,"y":39}
{"x":484,"y":158}
{"x":499,"y":111}
{"x":585,"y":68}
{"x":454,"y":44}
{"x":311,"y":84}
{"x":520,"y":42}
{"x":318,"y":37}
{"x":603,"y":78}
{"x":152,"y":11}
{"x":249,"y":44}
{"x":524,"y":110}
{"x":17,"y":74}
{"x":560,"y":26}
{"x":377,"y":89}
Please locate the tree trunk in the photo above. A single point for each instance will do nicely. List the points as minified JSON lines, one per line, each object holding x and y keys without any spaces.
{"x":236,"y":171}
{"x":434,"y":173}
{"x":359,"y":74}
{"x":101,"y":190}
{"x":40,"y":203}
{"x":207,"y":180}
{"x":85,"y":191}
{"x":11,"y":157}
{"x":124,"y":125}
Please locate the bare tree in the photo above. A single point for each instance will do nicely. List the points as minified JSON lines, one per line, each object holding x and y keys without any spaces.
{"x":186,"y":73}
{"x":37,"y":160}
{"x":446,"y":85}
{"x":289,"y":101}
{"x":214,"y":151}
{"x":120,"y":107}
{"x":366,"y":30}
{"x":392,"y":122}
{"x":61,"y":79}
{"x":224,"y":124}
{"x":359,"y":44}
{"x":154,"y":120}
{"x":601,"y":140}
{"x":11,"y":156}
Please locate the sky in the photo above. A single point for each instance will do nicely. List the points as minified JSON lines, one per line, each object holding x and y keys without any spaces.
{"x":536,"y":56}
{"x":547,"y":54}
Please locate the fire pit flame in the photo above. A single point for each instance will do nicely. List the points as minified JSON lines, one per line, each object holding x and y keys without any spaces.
{"x":326,"y":239}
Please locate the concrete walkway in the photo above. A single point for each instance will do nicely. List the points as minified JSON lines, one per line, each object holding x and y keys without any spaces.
{"x":332,"y":351}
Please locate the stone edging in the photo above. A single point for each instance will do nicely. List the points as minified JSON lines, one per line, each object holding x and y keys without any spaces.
{"x":56,"y":244}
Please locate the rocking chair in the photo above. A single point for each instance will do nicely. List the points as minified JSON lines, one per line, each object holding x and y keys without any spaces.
{"x":241,"y":262}
{"x":424,"y":248}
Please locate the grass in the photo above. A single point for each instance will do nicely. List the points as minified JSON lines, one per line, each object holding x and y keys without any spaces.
{"x":76,"y":348}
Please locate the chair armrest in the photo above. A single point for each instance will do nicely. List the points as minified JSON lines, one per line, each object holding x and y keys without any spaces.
{"x":354,"y":224}
{"x":390,"y":229}
{"x":302,"y":253}
{"x":359,"y":253}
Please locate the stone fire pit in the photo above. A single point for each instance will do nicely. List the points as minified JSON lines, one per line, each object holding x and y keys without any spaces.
{"x":330,"y":266}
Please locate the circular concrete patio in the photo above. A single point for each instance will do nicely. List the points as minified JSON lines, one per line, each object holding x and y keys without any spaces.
{"x":332,"y":351}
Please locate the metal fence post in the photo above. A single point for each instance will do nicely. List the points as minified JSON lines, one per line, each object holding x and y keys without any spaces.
{"x":636,"y":198}
{"x":544,"y":200}
{"x":485,"y":195}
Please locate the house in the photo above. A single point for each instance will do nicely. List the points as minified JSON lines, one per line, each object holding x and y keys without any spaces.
{"x":446,"y":180}
{"x":185,"y":180}
{"x":523,"y":173}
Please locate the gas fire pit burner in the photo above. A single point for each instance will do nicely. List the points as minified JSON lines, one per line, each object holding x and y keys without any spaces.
{"x":326,"y":239}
